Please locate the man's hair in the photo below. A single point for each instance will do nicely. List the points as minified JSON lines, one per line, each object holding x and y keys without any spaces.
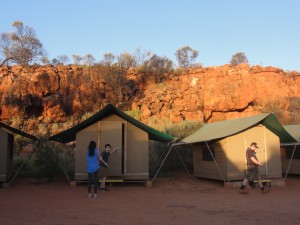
{"x":254,"y":144}
{"x":107,"y":145}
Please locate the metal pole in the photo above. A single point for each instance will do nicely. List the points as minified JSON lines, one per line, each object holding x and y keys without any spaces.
{"x":64,"y":170}
{"x":215,"y":162}
{"x":290,"y":163}
{"x":157,"y":162}
{"x":185,"y":167}
{"x":24,"y":163}
{"x":164,"y":160}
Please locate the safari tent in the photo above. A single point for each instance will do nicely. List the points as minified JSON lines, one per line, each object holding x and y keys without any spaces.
{"x":219,"y":147}
{"x":7,"y":150}
{"x":113,"y":126}
{"x":290,"y":151}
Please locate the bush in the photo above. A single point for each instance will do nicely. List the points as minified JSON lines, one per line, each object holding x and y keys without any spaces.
{"x":49,"y":161}
{"x":136,"y":114}
{"x":183,"y":129}
{"x":179,"y":159}
{"x":238,"y":58}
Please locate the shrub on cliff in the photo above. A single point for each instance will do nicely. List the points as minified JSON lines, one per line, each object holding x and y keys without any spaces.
{"x":238,"y":58}
{"x":157,"y":67}
{"x":186,"y":56}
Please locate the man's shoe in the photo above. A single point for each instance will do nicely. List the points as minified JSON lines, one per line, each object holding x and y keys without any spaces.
{"x":243,"y":192}
{"x":265,"y":191}
{"x":105,"y":189}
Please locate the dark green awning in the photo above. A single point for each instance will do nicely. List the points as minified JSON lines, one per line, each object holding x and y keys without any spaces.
{"x":222,"y":129}
{"x":16,"y":131}
{"x":70,"y":134}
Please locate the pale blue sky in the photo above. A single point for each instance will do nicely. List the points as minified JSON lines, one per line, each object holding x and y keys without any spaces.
{"x":267,"y":31}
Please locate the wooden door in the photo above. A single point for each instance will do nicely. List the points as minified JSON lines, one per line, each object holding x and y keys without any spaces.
{"x":111,"y":133}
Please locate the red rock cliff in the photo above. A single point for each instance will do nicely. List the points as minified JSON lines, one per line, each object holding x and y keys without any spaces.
{"x":52,"y":94}
{"x":224,"y":92}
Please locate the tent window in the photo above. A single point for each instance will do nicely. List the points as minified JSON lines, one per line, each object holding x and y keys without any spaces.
{"x":289,"y":152}
{"x":206,"y":155}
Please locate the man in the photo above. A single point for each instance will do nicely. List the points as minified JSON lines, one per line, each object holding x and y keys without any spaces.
{"x":252,"y":169}
{"x":104,"y":164}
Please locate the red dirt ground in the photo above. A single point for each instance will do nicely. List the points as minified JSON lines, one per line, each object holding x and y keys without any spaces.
{"x":183,"y":200}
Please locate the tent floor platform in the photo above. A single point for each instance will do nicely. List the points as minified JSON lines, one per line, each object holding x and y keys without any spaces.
{"x":111,"y":180}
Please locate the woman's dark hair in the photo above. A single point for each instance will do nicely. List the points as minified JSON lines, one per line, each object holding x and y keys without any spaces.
{"x":92,"y":147}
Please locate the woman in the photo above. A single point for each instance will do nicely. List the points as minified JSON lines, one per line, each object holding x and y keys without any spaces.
{"x":92,"y":167}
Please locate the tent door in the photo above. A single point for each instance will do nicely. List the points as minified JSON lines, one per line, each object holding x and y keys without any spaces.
{"x":111,"y":132}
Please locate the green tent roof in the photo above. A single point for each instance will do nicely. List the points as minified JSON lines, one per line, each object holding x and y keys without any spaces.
{"x":294,"y":130}
{"x":70,"y":134}
{"x":222,"y":129}
{"x":16,"y":131}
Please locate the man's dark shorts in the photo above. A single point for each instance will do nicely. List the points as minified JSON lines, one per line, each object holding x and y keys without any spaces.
{"x":103,"y":172}
{"x":252,"y":173}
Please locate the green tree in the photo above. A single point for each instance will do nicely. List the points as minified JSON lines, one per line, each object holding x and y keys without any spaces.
{"x":126,"y":60}
{"x":141,"y":57}
{"x":45,"y":60}
{"x":186,"y":56}
{"x":21,"y":46}
{"x":55,"y":61}
{"x":63,"y":59}
{"x":89,"y":60}
{"x":77,"y":59}
{"x":108,"y":59}
{"x":238,"y":58}
{"x":157,"y":66}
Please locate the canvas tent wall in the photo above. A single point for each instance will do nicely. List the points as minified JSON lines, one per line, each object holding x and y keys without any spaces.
{"x":113,"y":126}
{"x":219,"y":148}
{"x":290,"y":151}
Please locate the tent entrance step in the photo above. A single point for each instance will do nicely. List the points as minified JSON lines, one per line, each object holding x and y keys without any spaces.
{"x":114,"y":179}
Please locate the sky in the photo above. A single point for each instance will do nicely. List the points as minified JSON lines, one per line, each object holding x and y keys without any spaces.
{"x":266,"y":31}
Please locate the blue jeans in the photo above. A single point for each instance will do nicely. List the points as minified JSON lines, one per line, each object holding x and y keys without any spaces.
{"x":96,"y":181}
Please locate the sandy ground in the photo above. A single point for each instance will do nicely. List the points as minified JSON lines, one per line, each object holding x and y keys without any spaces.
{"x":184,"y":200}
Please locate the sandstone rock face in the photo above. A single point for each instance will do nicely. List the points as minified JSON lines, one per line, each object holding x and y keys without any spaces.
{"x":207,"y":94}
{"x":224,"y":92}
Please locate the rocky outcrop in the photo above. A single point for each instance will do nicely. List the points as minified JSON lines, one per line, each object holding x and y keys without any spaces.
{"x":224,"y":92}
{"x":53,"y":94}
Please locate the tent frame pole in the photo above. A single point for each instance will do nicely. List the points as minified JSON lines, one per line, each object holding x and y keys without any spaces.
{"x":185,"y":167}
{"x":158,"y":160}
{"x":164,"y":160}
{"x":290,"y":162}
{"x":25,"y":162}
{"x":215,"y":161}
{"x":59,"y":161}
